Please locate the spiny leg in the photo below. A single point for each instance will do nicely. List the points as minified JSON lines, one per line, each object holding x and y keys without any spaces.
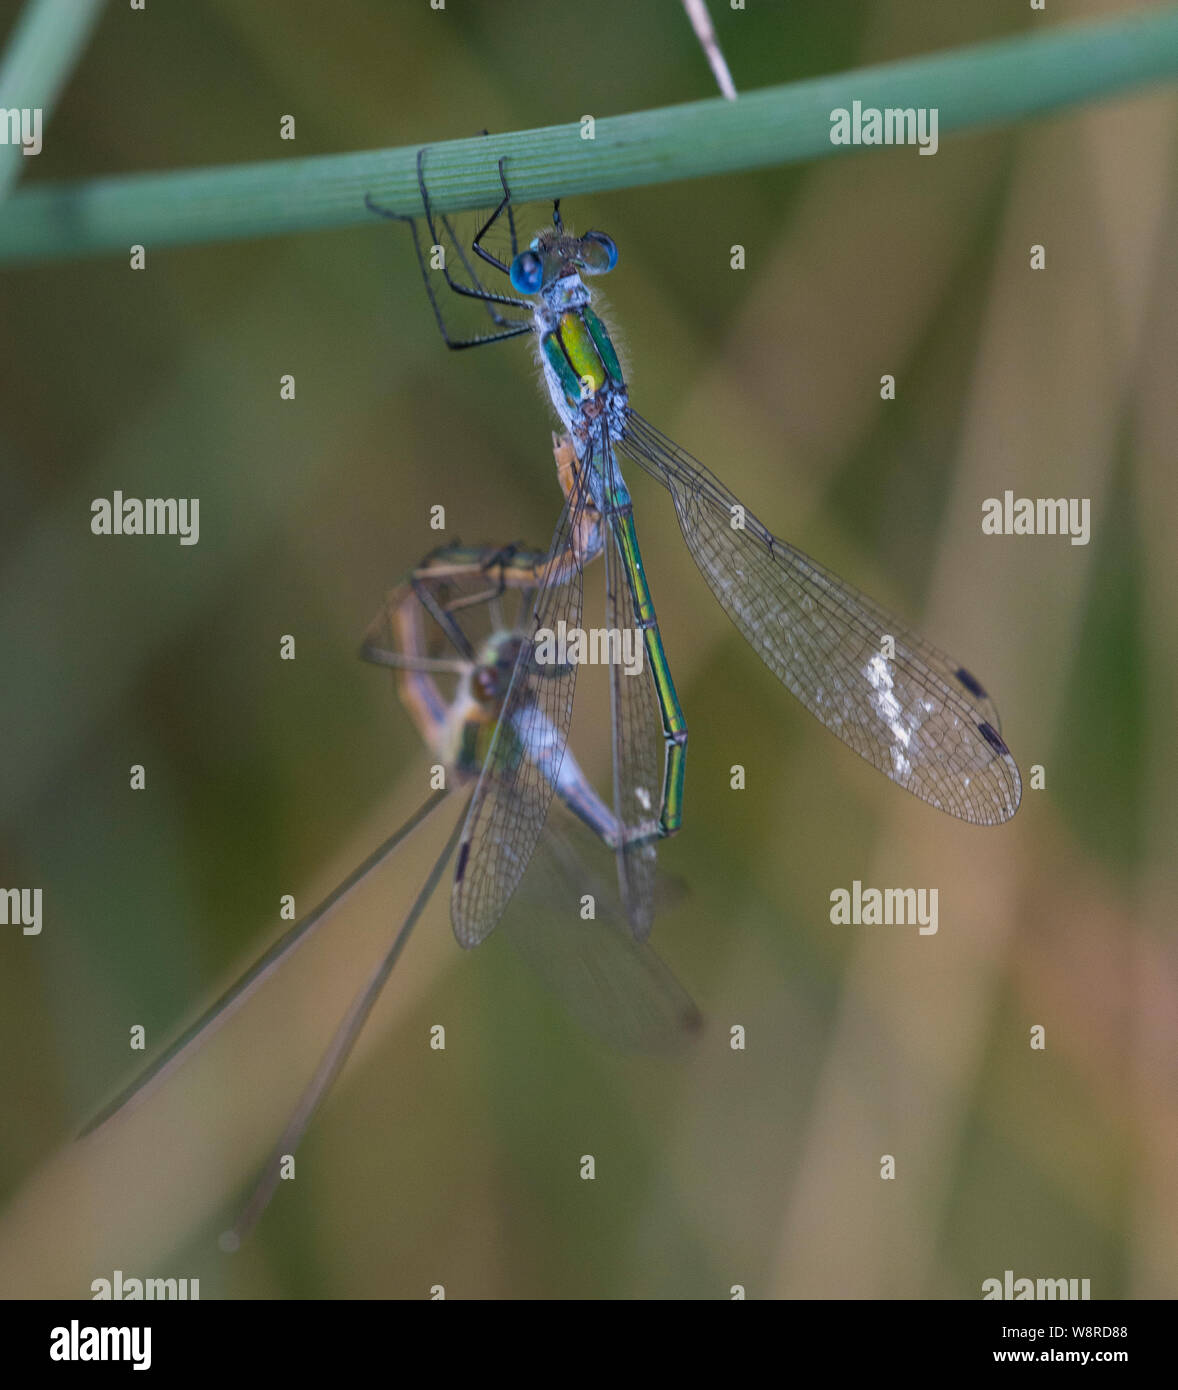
{"x":489,"y":299}
{"x":442,"y":616}
{"x":504,"y":206}
{"x":478,"y":291}
{"x":498,"y":562}
{"x":454,"y":343}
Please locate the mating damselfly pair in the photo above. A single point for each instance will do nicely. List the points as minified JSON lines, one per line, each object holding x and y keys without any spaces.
{"x":913,"y":712}
{"x":910,"y":710}
{"x":448,"y":634}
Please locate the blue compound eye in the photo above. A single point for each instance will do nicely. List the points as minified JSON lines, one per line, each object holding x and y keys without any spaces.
{"x":602,"y":252}
{"x":527,"y":273}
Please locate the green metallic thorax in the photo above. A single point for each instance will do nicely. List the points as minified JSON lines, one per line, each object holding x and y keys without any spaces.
{"x":581,"y":354}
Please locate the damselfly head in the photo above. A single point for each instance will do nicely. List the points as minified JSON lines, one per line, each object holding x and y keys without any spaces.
{"x":554,"y":254}
{"x":492,"y":675}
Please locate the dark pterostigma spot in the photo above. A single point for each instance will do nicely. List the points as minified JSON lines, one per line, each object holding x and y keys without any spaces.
{"x":993,"y":739}
{"x":464,"y":855}
{"x":971,"y":683}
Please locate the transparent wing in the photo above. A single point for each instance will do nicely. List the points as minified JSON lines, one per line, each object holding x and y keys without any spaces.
{"x":612,"y":986}
{"x":332,"y":1062}
{"x":523,"y":762}
{"x":637,"y":731}
{"x":920,"y":717}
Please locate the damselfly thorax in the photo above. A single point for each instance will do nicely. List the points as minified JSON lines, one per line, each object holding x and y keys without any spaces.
{"x":580,"y":364}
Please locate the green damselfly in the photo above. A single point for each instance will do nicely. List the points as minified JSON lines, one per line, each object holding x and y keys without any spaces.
{"x":910,"y":710}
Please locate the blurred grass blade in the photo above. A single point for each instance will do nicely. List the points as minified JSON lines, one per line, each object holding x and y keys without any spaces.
{"x":46,"y":42}
{"x":983,"y":85}
{"x":701,"y":22}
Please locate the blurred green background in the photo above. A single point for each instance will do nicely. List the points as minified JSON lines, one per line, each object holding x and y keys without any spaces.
{"x":758,"y":1168}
